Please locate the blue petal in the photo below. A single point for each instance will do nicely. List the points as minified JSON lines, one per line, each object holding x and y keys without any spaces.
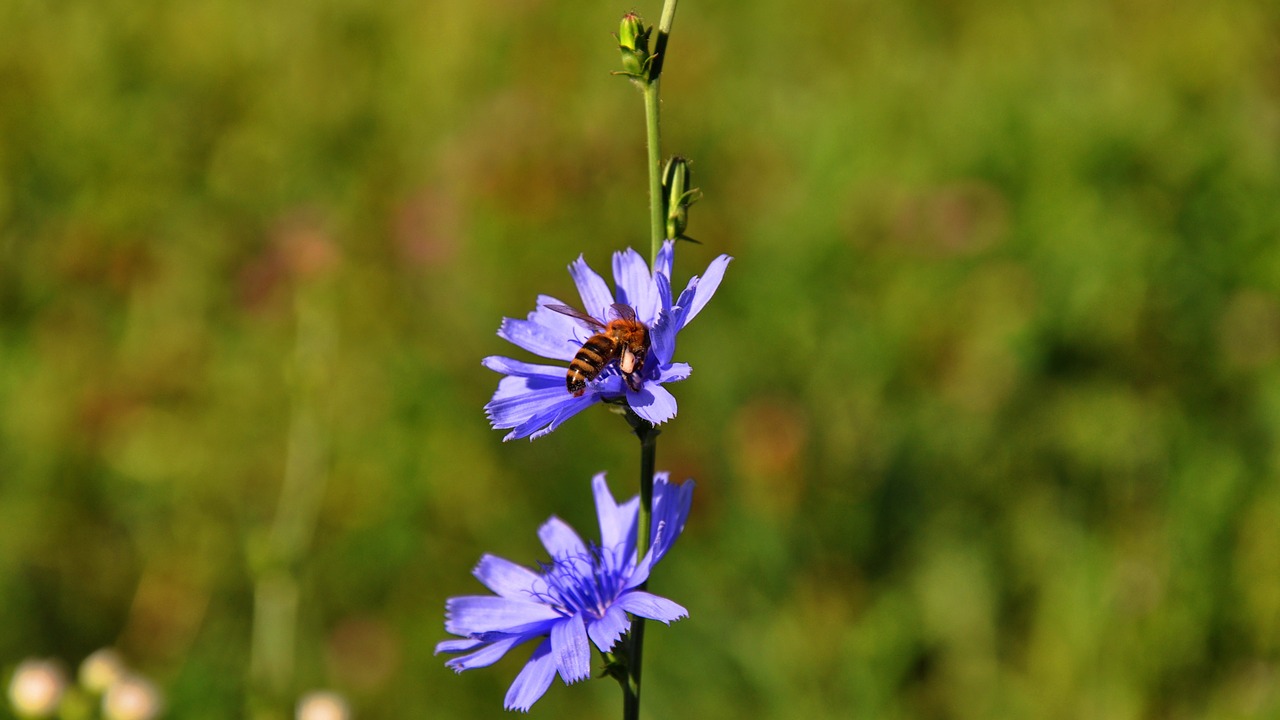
{"x":703,"y":289}
{"x":560,"y":540}
{"x":635,"y":284}
{"x":675,"y":372}
{"x":612,"y":525}
{"x":508,"y":366}
{"x":670,"y":511}
{"x":458,"y":645}
{"x":545,"y":332}
{"x":474,"y":614}
{"x":506,"y":578}
{"x":519,"y":398}
{"x":596,"y":297}
{"x":630,"y":512}
{"x":617,"y":522}
{"x":648,"y":605}
{"x":529,"y":404}
{"x":485,"y":656}
{"x":536,"y":338}
{"x":554,"y":320}
{"x":605,"y":631}
{"x":653,"y":403}
{"x":570,"y":647}
{"x":671,"y":505}
{"x":640,"y":573}
{"x":609,"y":386}
{"x":533,"y":680}
{"x":564,"y":412}
{"x":662,"y":337}
{"x":680,"y":311}
{"x":666,"y":256}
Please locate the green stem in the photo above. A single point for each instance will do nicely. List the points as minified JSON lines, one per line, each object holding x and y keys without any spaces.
{"x":648,"y":436}
{"x":645,"y":431}
{"x":653,"y":138}
{"x":664,"y":31}
{"x":284,"y":546}
{"x":657,"y":223}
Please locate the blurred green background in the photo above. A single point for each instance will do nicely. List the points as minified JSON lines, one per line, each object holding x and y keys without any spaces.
{"x":984,"y":417}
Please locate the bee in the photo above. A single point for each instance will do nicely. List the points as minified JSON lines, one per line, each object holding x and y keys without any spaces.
{"x":624,"y":339}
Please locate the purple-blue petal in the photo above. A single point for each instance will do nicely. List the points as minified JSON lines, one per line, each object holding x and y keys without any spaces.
{"x":671,"y":505}
{"x":519,"y":398}
{"x":533,"y":680}
{"x":662,"y":337}
{"x":546,"y":332}
{"x":648,"y":605}
{"x":457,"y":645}
{"x":509,"y":366}
{"x":653,"y":403}
{"x":528,"y":404}
{"x":554,"y":320}
{"x":635,"y":284}
{"x":608,"y":386}
{"x":506,"y":578}
{"x":704,"y":288}
{"x":680,"y":310}
{"x":571,"y":649}
{"x":561,"y":540}
{"x":565,"y":409}
{"x":612,"y":524}
{"x":596,"y":297}
{"x":666,"y":256}
{"x":606,"y":630}
{"x":617,"y":522}
{"x":474,"y":614}
{"x":675,"y":372}
{"x":640,"y":573}
{"x":485,"y":656}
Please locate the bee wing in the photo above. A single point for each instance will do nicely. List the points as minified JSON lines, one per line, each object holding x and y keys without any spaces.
{"x":576,"y":314}
{"x":625,"y":312}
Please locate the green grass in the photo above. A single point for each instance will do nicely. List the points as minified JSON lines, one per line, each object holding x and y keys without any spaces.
{"x":983,"y":417}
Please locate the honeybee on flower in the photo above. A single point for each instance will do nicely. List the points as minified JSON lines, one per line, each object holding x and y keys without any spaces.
{"x":531,"y":400}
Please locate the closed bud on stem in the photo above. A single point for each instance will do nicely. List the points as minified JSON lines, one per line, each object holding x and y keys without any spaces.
{"x":678,"y":196}
{"x":633,"y":42}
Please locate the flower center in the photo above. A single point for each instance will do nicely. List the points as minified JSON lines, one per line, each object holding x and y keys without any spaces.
{"x":586,"y":583}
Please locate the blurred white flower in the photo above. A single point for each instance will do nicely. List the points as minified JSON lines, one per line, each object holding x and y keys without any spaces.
{"x":323,"y":705}
{"x":132,"y":697}
{"x":101,"y":670}
{"x":36,"y":688}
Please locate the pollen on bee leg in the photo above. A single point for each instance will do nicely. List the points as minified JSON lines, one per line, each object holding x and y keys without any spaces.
{"x":627,"y":361}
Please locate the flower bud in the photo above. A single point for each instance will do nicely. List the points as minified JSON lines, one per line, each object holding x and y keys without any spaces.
{"x":678,"y":196}
{"x":633,"y":42}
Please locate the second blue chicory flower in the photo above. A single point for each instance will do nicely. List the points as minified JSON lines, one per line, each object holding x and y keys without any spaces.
{"x":581,"y":597}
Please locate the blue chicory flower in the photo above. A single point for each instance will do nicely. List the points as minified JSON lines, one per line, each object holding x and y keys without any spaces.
{"x":583,"y":594}
{"x":532,"y":400}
